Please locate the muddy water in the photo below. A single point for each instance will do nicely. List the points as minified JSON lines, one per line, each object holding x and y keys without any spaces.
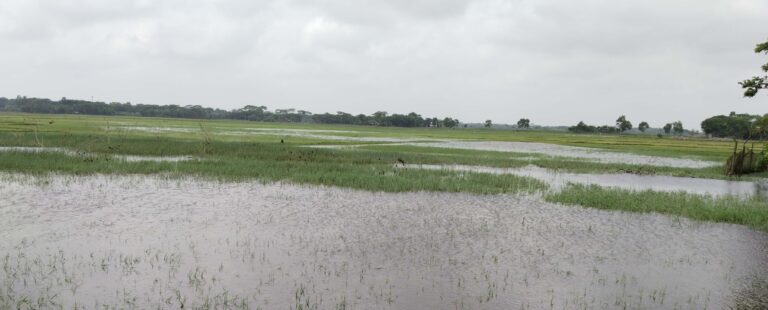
{"x":576,"y":152}
{"x":154,"y":243}
{"x":559,"y":179}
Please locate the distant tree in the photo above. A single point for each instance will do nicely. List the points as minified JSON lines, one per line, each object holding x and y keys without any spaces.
{"x":524,"y":123}
{"x":677,"y":127}
{"x":450,"y":122}
{"x":581,"y":127}
{"x":643,"y":126}
{"x":248,"y":112}
{"x":623,"y":124}
{"x":735,"y":126}
{"x":488,"y":123}
{"x":756,"y":83}
{"x":380,"y":118}
{"x":759,"y":128}
{"x":667,"y":128}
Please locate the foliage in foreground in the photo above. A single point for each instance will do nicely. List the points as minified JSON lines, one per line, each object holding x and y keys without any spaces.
{"x":751,"y":212}
{"x":756,"y":83}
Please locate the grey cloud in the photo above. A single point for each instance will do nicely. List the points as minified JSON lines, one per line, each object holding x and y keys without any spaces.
{"x":388,"y":12}
{"x":554,"y":61}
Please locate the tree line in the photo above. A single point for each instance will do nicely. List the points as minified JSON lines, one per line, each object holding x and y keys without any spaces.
{"x":249,"y":112}
{"x":737,"y":126}
{"x":622,"y":125}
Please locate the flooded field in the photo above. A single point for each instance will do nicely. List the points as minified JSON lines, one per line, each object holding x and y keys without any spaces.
{"x":74,"y":153}
{"x":318,"y":134}
{"x":157,"y":129}
{"x":546,"y":149}
{"x":575,"y":152}
{"x":558,"y":180}
{"x":321,"y":135}
{"x":149,"y":242}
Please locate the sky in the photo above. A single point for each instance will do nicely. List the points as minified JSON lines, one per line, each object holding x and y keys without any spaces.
{"x":556,"y":62}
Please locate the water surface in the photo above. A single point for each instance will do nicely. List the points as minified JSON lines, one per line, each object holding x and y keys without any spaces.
{"x":149,"y":242}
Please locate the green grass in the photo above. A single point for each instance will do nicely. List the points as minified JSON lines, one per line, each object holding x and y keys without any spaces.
{"x":728,"y":209}
{"x":640,"y":144}
{"x":238,"y":161}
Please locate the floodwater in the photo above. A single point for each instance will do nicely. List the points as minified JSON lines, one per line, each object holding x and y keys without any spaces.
{"x":149,"y":242}
{"x":283,"y":130}
{"x":320,"y":134}
{"x":558,"y":180}
{"x":310,"y":135}
{"x":75,"y":153}
{"x":158,"y":129}
{"x":572,"y":151}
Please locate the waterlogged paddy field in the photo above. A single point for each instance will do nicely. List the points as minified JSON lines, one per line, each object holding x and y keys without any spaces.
{"x":151,"y":242}
{"x":158,"y":213}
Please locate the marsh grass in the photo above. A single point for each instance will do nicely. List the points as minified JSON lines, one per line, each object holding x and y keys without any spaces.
{"x":433,"y":155}
{"x":751,"y":212}
{"x":281,"y":164}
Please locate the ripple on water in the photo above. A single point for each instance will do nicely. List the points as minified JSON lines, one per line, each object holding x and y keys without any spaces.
{"x":160,"y":243}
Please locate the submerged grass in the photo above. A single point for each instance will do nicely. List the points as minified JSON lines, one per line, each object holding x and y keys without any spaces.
{"x":284,"y":164}
{"x":433,"y":155}
{"x":751,"y":212}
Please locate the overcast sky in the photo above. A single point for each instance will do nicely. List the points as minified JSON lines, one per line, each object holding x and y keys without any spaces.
{"x":554,"y":61}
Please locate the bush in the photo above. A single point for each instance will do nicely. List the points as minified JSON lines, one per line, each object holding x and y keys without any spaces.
{"x":762,"y":161}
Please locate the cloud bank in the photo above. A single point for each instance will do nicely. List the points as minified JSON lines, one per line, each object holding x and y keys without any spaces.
{"x":556,"y":62}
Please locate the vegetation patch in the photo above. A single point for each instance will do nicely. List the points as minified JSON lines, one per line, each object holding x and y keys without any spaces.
{"x":752,"y":212}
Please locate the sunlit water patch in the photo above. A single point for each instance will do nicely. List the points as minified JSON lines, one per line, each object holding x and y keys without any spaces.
{"x":149,"y":242}
{"x":559,"y":179}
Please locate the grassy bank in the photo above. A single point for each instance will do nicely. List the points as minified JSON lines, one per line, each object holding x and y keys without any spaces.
{"x":749,"y":212}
